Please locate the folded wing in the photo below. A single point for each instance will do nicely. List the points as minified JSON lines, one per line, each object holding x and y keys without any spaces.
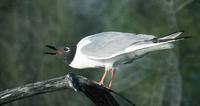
{"x":106,"y":45}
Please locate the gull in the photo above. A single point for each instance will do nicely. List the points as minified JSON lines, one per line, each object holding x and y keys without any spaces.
{"x":112,"y":49}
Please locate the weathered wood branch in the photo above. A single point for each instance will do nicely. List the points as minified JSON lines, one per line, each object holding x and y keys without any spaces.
{"x":99,"y":95}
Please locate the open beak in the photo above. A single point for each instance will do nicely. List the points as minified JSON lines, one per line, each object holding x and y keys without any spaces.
{"x":51,"y":47}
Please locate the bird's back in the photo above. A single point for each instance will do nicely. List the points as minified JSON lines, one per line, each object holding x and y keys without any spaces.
{"x":106,"y":44}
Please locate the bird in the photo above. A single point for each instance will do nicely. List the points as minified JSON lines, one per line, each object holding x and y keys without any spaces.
{"x":112,"y":49}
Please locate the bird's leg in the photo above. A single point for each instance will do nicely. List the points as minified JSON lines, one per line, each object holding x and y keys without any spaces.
{"x":104,"y":75}
{"x":112,"y":77}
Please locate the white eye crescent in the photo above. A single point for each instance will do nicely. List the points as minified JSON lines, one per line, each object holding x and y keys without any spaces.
{"x":66,"y":49}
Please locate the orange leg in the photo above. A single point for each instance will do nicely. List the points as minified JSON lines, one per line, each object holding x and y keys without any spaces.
{"x":112,"y":77}
{"x":104,"y":75}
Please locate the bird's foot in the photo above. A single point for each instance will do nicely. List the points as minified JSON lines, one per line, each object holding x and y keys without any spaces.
{"x":100,"y":83}
{"x":110,"y":85}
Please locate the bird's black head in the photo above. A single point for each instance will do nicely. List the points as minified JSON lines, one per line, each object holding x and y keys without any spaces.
{"x":65,"y":52}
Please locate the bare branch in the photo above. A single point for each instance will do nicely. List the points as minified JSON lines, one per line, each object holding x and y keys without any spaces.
{"x":101,"y":96}
{"x":40,"y":87}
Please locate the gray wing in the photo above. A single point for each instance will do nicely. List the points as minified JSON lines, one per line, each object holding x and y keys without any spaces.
{"x":105,"y":44}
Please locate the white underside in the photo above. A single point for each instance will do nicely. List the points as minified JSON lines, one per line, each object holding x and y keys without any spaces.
{"x":81,"y":61}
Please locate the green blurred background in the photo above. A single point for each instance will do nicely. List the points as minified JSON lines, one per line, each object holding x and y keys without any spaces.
{"x":163,"y":78}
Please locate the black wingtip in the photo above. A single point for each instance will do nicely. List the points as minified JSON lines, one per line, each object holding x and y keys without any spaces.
{"x":179,"y":31}
{"x":183,"y":37}
{"x":187,"y":36}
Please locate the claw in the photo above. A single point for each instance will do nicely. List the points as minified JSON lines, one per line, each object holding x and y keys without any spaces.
{"x":100,"y":83}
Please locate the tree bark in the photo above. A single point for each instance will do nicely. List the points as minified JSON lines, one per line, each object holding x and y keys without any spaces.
{"x":99,"y":95}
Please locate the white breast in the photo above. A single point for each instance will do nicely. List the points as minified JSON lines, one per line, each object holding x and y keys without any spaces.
{"x":81,"y":61}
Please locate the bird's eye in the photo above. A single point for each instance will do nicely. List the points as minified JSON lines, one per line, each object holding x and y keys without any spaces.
{"x":66,"y":49}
